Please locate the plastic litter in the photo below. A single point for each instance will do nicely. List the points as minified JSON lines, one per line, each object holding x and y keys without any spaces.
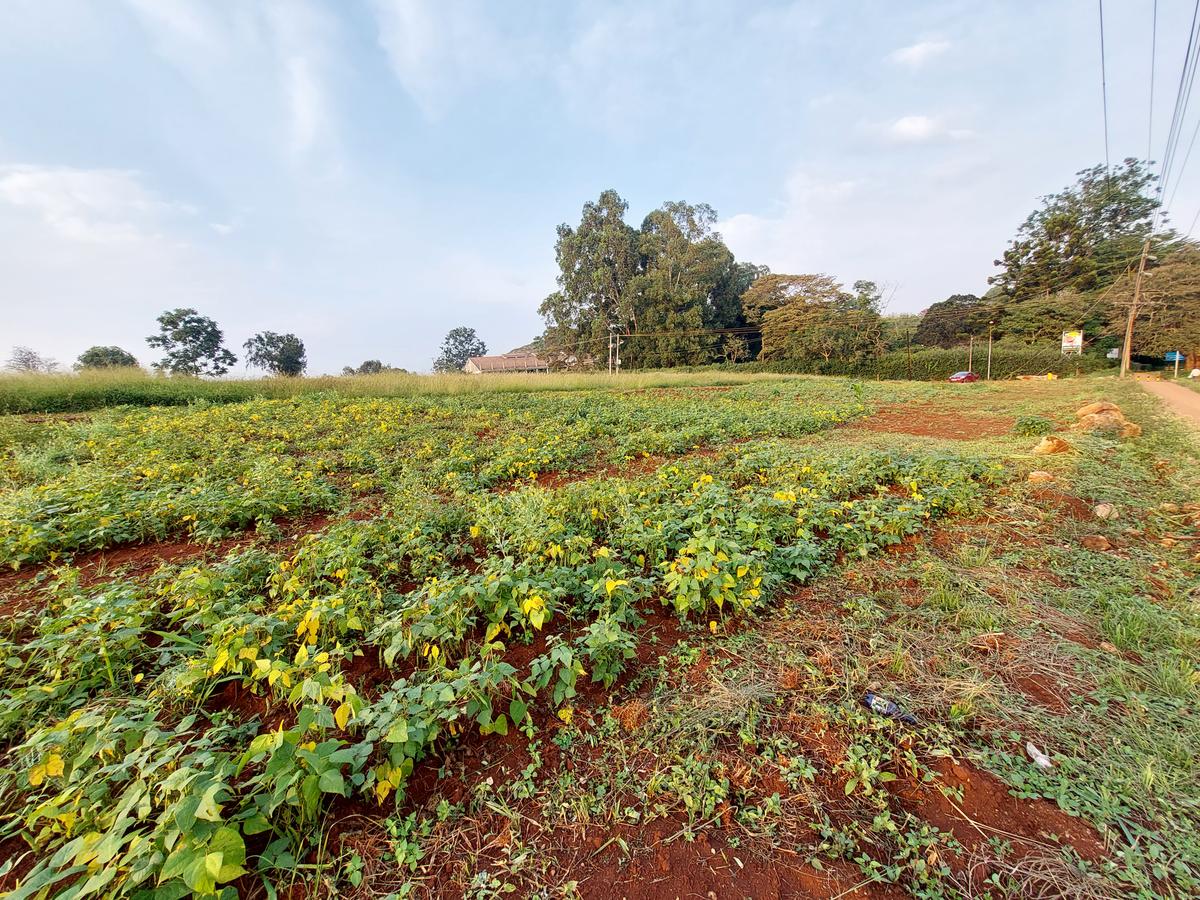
{"x":885,"y":707}
{"x":1040,"y":759}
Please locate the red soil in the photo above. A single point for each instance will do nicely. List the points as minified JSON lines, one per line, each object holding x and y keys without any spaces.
{"x":929,"y":421}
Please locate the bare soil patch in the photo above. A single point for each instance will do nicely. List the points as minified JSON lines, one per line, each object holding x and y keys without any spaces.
{"x":930,"y":421}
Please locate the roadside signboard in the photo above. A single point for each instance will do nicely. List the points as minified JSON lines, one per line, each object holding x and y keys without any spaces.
{"x":1173,"y":356}
{"x":1072,"y":342}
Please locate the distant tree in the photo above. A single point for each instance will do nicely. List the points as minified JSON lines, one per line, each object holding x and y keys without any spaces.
{"x":25,"y":360}
{"x":843,"y":325}
{"x":458,"y":346}
{"x":371,"y":367}
{"x":682,"y":264}
{"x":596,"y":261}
{"x":1040,"y":319}
{"x":192,"y":344}
{"x":899,"y":330}
{"x":950,"y":321}
{"x":1082,"y":237}
{"x":279,"y":354}
{"x":105,"y":358}
{"x":724,"y":308}
{"x":735,"y":348}
{"x":771,"y":291}
{"x":1169,"y":310}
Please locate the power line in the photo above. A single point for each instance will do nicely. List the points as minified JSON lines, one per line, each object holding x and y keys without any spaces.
{"x":1153,"y":55}
{"x":1104,"y":89}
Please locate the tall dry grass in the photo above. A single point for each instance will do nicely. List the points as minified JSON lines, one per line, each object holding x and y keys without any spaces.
{"x":101,"y":388}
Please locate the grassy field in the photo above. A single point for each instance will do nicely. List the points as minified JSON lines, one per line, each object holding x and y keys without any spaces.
{"x":99,"y":389}
{"x":491,"y":641}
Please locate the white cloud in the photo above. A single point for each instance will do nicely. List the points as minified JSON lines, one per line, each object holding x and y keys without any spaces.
{"x":438,"y":50}
{"x":265,"y":65}
{"x":916,"y":55}
{"x":922,"y":129}
{"x":93,"y":205}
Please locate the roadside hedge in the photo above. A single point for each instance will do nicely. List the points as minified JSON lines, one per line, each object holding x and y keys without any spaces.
{"x":935,"y":365}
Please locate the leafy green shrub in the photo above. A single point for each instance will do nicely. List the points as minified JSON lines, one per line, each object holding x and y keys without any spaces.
{"x":1032,"y":426}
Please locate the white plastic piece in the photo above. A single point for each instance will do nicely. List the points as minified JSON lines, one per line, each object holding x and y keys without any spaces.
{"x":1040,"y":759}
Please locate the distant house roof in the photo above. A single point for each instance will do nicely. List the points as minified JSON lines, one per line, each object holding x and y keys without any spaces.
{"x":507,"y":362}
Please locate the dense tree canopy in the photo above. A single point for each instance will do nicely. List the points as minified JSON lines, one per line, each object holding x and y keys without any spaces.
{"x":459,"y":345}
{"x":596,"y":262}
{"x":663,"y":284}
{"x":1082,"y":237}
{"x":192,"y":344}
{"x":279,"y":354}
{"x":1169,"y":312}
{"x":105,"y":358}
{"x":950,"y":321}
{"x":825,"y":324}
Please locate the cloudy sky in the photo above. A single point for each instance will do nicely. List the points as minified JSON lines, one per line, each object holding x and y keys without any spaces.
{"x":371,"y":173}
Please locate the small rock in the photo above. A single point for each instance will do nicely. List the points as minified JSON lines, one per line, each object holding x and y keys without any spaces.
{"x":1039,"y":477}
{"x":1096,"y":542}
{"x":1100,"y":406}
{"x":1132,"y":532}
{"x":1105,"y":511}
{"x":1108,"y":648}
{"x":1051,"y":444}
{"x":1103,"y":422}
{"x":1131,"y":430}
{"x":1168,"y":542}
{"x":1169,"y":507}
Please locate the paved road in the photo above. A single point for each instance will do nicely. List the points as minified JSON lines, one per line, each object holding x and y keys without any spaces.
{"x":1181,"y":400}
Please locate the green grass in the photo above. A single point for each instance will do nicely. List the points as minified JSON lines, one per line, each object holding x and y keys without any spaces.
{"x":25,"y":394}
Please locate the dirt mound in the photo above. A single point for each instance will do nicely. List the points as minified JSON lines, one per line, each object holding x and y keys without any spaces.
{"x":928,"y":421}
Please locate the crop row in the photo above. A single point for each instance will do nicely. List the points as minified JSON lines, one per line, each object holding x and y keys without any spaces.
{"x":127,"y":780}
{"x":209,"y":470}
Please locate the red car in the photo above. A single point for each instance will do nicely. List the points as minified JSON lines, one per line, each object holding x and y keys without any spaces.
{"x":964,"y":377}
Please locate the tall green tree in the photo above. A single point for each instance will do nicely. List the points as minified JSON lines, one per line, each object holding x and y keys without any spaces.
{"x":459,"y":345}
{"x":191,"y":344}
{"x":279,"y":354}
{"x":1083,"y":237}
{"x":596,"y":263}
{"x":949,"y":322}
{"x":105,"y":358}
{"x":682,"y":264}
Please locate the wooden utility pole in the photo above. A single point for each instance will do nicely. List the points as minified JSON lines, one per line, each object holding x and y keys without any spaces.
{"x":989,"y":367}
{"x":1133,"y":307}
{"x":971,"y":353}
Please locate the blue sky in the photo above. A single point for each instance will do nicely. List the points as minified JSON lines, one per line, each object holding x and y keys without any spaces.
{"x":371,"y":173}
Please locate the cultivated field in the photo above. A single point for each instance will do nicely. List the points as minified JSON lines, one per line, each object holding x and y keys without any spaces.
{"x":601,"y":642}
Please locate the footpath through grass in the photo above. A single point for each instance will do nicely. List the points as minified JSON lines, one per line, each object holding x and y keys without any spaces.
{"x":600,"y":644}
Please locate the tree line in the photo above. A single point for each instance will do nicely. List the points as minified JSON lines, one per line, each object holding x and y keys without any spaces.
{"x":676,"y":291}
{"x":193,"y":345}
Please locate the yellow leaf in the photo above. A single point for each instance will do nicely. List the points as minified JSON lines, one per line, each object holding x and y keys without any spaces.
{"x":302,"y":655}
{"x":54,"y":765}
{"x":37,"y":775}
{"x":342,"y":716}
{"x":742,"y":570}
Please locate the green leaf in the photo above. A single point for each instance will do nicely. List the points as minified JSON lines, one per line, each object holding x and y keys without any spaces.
{"x":332,"y":782}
